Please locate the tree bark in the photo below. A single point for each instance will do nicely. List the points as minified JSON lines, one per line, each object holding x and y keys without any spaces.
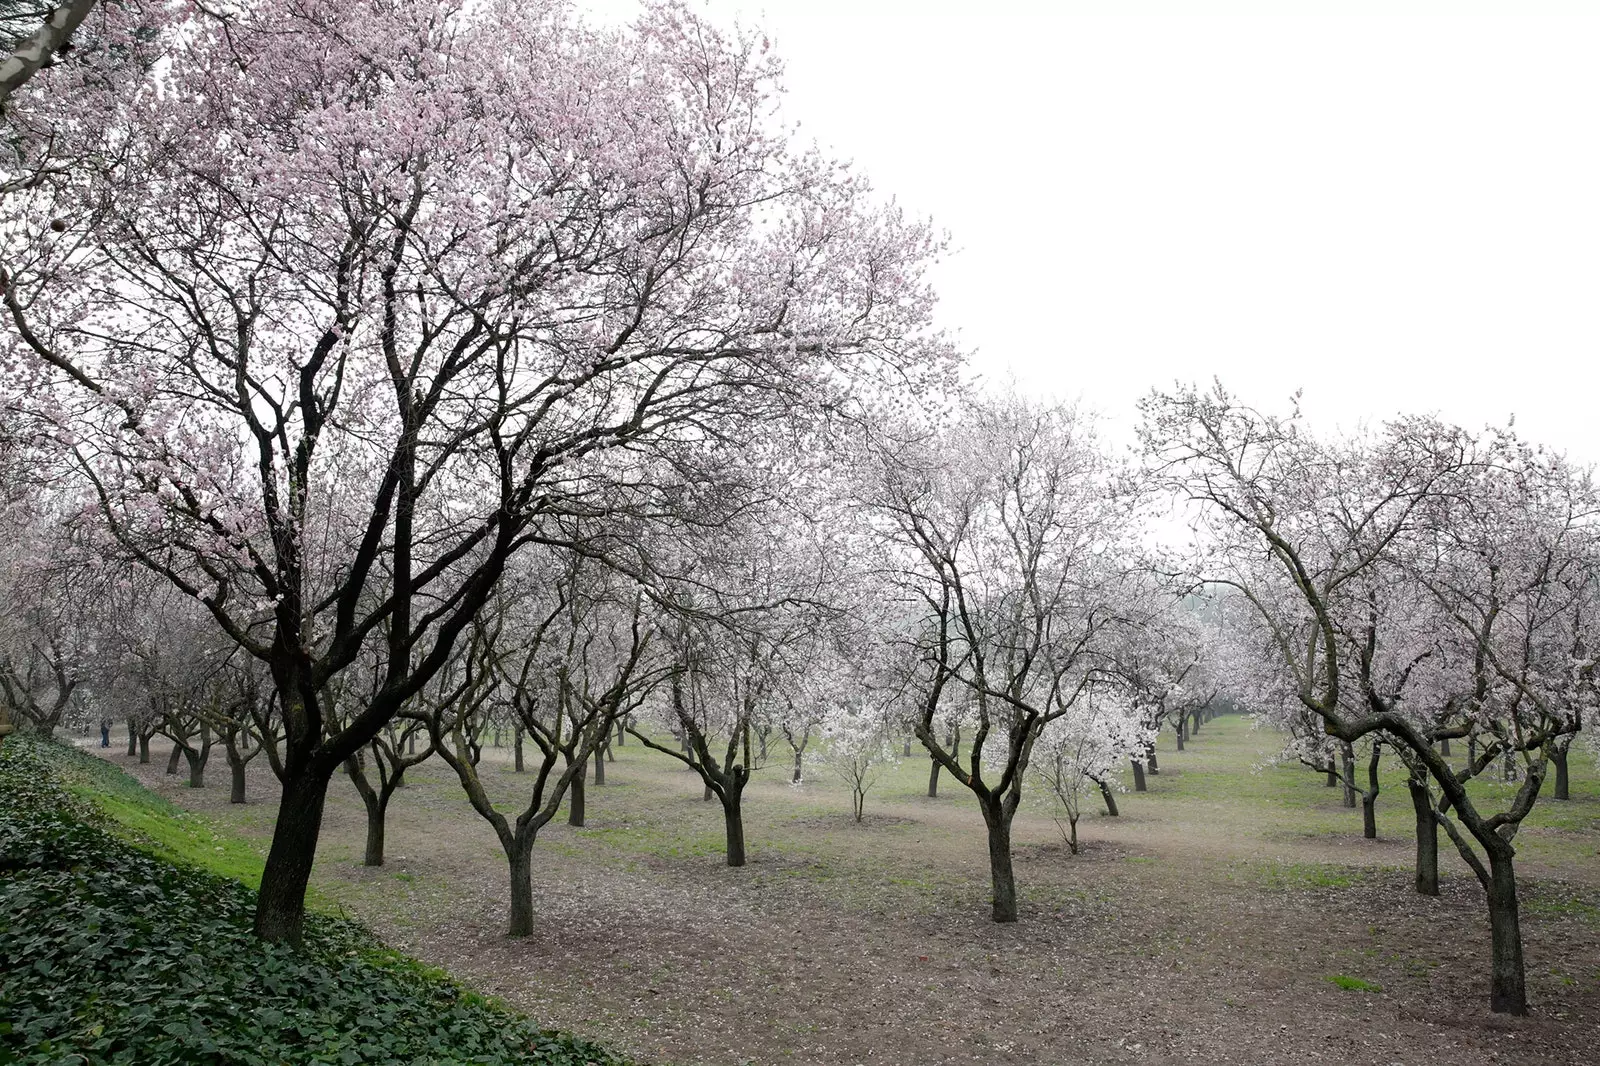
{"x":236,"y":792}
{"x":1507,"y":984}
{"x":1347,"y":767}
{"x":144,"y":747}
{"x":1333,"y":775}
{"x":48,"y":40}
{"x":575,"y":807}
{"x":1444,"y":746}
{"x":133,"y":739}
{"x":517,"y":741}
{"x":600,"y":765}
{"x":1369,"y":796}
{"x":933,"y":778}
{"x":733,"y":822}
{"x":799,"y":763}
{"x":172,"y":759}
{"x":521,"y":863}
{"x":1138,"y":777}
{"x":280,"y":908}
{"x":1180,"y":731}
{"x":1558,"y":756}
{"x":1150,"y":764}
{"x":1000,"y":871}
{"x":1110,"y":798}
{"x":1427,"y":879}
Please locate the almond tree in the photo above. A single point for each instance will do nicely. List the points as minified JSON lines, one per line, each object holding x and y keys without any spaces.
{"x":569,"y":657}
{"x":1498,"y":535}
{"x":355,"y":303}
{"x":1002,"y":538}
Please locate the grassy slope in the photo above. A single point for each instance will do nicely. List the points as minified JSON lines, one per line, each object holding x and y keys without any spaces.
{"x":119,"y":953}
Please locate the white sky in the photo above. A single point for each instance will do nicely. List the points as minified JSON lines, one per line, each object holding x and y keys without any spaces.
{"x":1392,"y":205}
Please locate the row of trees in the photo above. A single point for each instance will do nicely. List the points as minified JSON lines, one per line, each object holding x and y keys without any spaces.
{"x":380,"y":370}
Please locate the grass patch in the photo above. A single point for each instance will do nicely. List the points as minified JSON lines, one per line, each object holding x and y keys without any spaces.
{"x":110,"y":952}
{"x":1352,"y":984}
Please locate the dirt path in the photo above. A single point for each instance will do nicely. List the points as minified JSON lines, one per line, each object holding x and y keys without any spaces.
{"x":1203,"y":925}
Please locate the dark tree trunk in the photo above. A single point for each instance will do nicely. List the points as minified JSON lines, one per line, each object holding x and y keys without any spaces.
{"x":933,"y":778}
{"x":377,"y":816}
{"x":236,"y":793}
{"x":1333,"y":776}
{"x":133,"y":739}
{"x":1150,"y":764}
{"x":1558,"y":756}
{"x":521,"y":863}
{"x":799,"y":758}
{"x":173,"y":759}
{"x":197,"y":759}
{"x":1110,"y":798}
{"x":733,"y":822}
{"x":411,"y":743}
{"x":575,"y":810}
{"x":1347,"y":767}
{"x":1444,"y":746}
{"x":1138,"y":777}
{"x":708,"y":795}
{"x":1000,"y":871}
{"x":517,"y":741}
{"x":1180,"y":732}
{"x":1427,"y":837}
{"x":1195,"y":729}
{"x":1507,"y":988}
{"x":600,"y":765}
{"x":1369,"y":796}
{"x":281,"y":905}
{"x":144,"y":747}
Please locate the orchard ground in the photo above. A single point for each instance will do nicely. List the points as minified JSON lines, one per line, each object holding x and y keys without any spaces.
{"x":1231,"y":914}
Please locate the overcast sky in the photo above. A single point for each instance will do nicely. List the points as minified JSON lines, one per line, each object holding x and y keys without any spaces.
{"x":1392,"y":211}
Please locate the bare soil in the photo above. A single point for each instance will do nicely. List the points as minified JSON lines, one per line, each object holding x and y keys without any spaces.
{"x":1203,"y":925}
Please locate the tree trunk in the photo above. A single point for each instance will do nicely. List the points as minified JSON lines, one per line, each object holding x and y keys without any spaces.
{"x":517,"y":741}
{"x":1000,"y":871}
{"x":1369,"y":796}
{"x":1444,"y":746}
{"x":1507,"y":988}
{"x":1347,"y":765}
{"x":1150,"y":764}
{"x":798,"y":760}
{"x":236,"y":793}
{"x":521,"y":863}
{"x":144,"y":747}
{"x":1180,"y":732}
{"x":1427,"y":837}
{"x":575,"y":806}
{"x":197,"y":765}
{"x":933,"y":778}
{"x":1194,"y":730}
{"x":281,"y":904}
{"x":1333,"y":775}
{"x":1558,"y":755}
{"x":1072,"y":834}
{"x":708,"y":795}
{"x":172,"y":759}
{"x":133,"y":739}
{"x":1138,"y":777}
{"x":1110,"y":798}
{"x":377,"y":816}
{"x":600,"y":765}
{"x":733,"y":821}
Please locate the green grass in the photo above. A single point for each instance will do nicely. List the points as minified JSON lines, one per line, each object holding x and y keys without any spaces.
{"x":1352,"y":984}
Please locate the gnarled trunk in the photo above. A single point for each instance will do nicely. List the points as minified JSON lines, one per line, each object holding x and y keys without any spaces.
{"x":1138,"y":777}
{"x":1558,"y":756}
{"x":1427,"y":871}
{"x":1110,"y":798}
{"x":575,"y":808}
{"x":280,"y":907}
